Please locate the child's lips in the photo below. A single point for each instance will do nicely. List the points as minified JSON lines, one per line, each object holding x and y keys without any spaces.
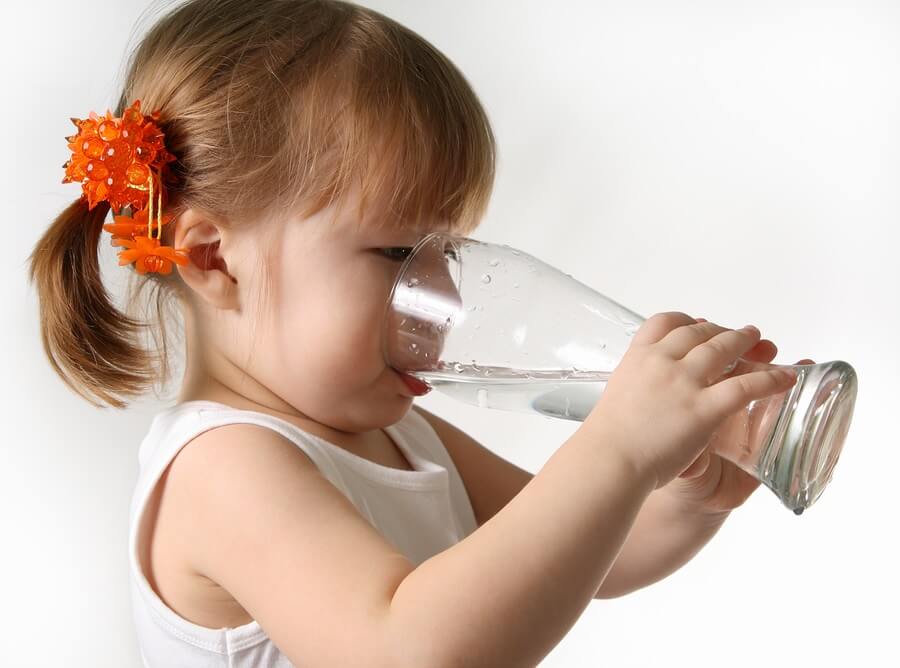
{"x":416,"y":386}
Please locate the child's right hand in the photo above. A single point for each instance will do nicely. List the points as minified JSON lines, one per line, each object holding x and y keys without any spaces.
{"x":662,"y":404}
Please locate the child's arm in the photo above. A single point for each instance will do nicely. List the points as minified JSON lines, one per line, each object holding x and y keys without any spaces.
{"x":263,"y":522}
{"x":509,"y":592}
{"x":666,"y":534}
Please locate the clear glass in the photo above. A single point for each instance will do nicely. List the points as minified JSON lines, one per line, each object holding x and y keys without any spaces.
{"x":498,"y":328}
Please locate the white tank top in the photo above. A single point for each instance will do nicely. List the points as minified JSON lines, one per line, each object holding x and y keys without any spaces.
{"x":421,"y":512}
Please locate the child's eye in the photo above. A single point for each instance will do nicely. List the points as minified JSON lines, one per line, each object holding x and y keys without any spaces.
{"x":388,"y":252}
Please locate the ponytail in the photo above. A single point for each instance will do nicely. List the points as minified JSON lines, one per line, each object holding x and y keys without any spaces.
{"x":88,"y":341}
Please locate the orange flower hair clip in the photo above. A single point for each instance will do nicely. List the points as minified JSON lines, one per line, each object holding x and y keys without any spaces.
{"x":121,"y":160}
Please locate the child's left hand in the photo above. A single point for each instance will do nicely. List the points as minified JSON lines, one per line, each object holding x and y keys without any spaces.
{"x":713,"y":484}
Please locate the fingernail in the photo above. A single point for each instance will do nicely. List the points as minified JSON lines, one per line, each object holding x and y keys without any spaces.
{"x":754,"y":328}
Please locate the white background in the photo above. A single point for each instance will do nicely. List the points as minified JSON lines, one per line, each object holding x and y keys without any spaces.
{"x":737,"y":161}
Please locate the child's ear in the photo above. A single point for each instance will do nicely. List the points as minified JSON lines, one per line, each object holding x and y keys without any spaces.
{"x":207,"y":272}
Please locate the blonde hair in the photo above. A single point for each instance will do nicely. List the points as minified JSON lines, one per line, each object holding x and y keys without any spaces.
{"x":269,"y":106}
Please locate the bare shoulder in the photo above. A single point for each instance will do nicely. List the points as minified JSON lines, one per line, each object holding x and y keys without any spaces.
{"x":490,"y":480}
{"x":270,"y":529}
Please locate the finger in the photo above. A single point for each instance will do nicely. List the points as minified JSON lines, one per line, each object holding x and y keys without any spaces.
{"x":720,"y":400}
{"x":659,"y":325}
{"x":764,"y":351}
{"x":681,"y":340}
{"x":709,"y":360}
{"x":698,"y":466}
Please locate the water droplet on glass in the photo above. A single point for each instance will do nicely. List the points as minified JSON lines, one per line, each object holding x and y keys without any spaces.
{"x":487,"y":372}
{"x":485,"y":278}
{"x":412,"y":282}
{"x":515,"y":285}
{"x":413,"y":346}
{"x":470,"y":308}
{"x":458,"y":367}
{"x":482,"y":398}
{"x":477,"y":326}
{"x":494,"y":262}
{"x":515,"y":252}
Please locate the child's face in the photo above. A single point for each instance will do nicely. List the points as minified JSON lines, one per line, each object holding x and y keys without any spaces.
{"x":321,"y":348}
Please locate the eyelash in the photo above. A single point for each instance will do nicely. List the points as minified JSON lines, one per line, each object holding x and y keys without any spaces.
{"x":407,"y":249}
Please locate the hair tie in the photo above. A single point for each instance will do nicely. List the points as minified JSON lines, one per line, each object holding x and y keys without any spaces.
{"x":121,"y":160}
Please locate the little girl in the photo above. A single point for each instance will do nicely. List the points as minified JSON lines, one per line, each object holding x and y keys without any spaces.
{"x":283,"y":156}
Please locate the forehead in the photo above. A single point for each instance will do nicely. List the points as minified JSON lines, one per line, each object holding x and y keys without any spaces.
{"x":345,"y":219}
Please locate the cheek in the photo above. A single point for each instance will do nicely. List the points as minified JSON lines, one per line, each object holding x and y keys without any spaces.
{"x":360,"y":327}
{"x":329,"y":331}
{"x":341,"y":329}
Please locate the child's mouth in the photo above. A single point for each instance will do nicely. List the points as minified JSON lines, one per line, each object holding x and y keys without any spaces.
{"x":416,"y":386}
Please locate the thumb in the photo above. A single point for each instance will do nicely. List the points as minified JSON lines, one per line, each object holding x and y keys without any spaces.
{"x":698,"y":466}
